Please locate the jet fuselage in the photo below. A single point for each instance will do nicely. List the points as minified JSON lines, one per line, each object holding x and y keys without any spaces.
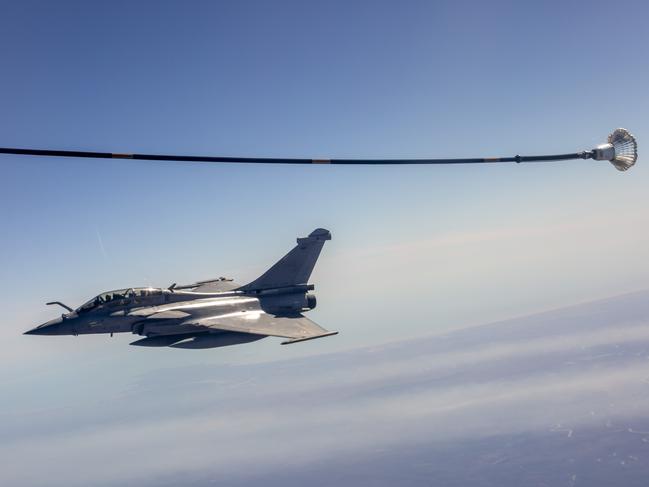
{"x":207,"y":314}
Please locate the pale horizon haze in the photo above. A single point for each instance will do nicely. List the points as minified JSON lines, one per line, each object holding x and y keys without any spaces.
{"x":417,"y":251}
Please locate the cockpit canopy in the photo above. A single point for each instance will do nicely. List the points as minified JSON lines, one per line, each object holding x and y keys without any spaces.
{"x":120,"y":296}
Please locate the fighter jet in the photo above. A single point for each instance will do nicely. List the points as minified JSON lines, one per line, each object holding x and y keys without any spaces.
{"x":207,"y":314}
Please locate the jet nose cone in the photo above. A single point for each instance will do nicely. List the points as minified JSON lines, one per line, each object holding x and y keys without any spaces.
{"x":49,"y":328}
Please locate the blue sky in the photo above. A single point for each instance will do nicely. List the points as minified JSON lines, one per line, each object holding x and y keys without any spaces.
{"x":346,"y":79}
{"x":415,"y":249}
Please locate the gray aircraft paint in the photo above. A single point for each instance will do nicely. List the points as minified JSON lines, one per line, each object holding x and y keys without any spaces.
{"x":208,"y":314}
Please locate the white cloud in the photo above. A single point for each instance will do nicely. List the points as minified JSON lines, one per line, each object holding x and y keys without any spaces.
{"x":286,"y":421}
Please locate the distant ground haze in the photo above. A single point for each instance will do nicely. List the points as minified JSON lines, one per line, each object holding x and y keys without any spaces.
{"x":557,"y":398}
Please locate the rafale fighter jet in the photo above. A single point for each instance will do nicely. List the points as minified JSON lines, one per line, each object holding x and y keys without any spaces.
{"x":208,"y":314}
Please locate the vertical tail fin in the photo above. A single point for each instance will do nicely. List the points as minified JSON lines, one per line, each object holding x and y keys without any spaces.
{"x":296,"y":266}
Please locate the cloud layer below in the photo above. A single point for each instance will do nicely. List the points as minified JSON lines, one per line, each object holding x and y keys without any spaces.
{"x":558,"y":373}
